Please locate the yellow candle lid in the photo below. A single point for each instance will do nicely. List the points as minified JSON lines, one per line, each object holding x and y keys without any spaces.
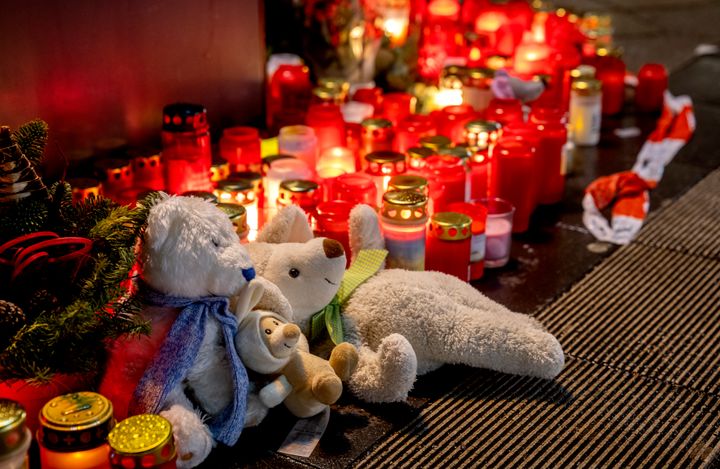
{"x":75,"y":421}
{"x":405,"y":207}
{"x":148,"y":437}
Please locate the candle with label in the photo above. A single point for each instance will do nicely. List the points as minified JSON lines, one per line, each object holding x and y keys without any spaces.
{"x":402,"y":218}
{"x":498,"y":229}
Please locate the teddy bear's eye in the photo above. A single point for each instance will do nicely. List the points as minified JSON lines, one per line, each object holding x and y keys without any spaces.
{"x":268,"y":331}
{"x":294,"y":273}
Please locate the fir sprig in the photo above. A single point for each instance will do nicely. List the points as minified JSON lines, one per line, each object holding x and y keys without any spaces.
{"x":31,"y":138}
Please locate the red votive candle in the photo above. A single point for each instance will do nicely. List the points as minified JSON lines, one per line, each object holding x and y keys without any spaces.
{"x":504,"y":111}
{"x":383,"y":165}
{"x":397,"y":106}
{"x":652,"y":83}
{"x":332,"y":221}
{"x":353,"y":141}
{"x":147,"y":169}
{"x":611,"y":72}
{"x":446,"y":176}
{"x":186,"y":152}
{"x":240,"y":146}
{"x":376,"y":135}
{"x":329,"y":126}
{"x":416,"y":157}
{"x":515,"y":179}
{"x":289,"y":96}
{"x":452,"y":121}
{"x":411,"y":129}
{"x":532,"y":58}
{"x":449,"y":244}
{"x":480,"y":171}
{"x":303,"y":193}
{"x":478,"y":213}
{"x":371,"y":96}
{"x":552,"y":131}
{"x":356,"y":188}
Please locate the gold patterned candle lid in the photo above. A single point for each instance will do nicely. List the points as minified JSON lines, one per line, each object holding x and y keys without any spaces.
{"x":76,"y":421}
{"x":374,"y":123}
{"x":408,"y":182}
{"x":12,"y":426}
{"x":404,"y":207}
{"x":435,"y":142}
{"x":146,"y":438}
{"x":451,"y":226}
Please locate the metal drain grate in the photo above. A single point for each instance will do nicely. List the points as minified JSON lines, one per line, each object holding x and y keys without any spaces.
{"x":641,"y":388}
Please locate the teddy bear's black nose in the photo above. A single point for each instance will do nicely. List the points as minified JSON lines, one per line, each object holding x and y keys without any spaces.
{"x":332,"y":248}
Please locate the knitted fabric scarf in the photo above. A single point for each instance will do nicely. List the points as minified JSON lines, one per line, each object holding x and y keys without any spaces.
{"x":178,"y":352}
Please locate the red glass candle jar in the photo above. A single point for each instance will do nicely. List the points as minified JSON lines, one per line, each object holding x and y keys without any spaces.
{"x":240,"y":146}
{"x":611,"y":72}
{"x":116,"y":175}
{"x":440,"y":37}
{"x":480,"y":174}
{"x":504,"y":111}
{"x":411,"y":129}
{"x":528,"y":134}
{"x":329,"y":126}
{"x":289,"y":94}
{"x":371,"y":96}
{"x":376,"y":135}
{"x":515,"y":180}
{"x":186,"y":155}
{"x":356,"y":188}
{"x":532,"y":58}
{"x":449,"y":244}
{"x":403,"y":218}
{"x":305,"y":194}
{"x":552,"y":132}
{"x":397,"y":106}
{"x":383,"y":165}
{"x":353,"y":139}
{"x":452,"y":121}
{"x":332,"y":221}
{"x":147,"y":170}
{"x":652,"y":83}
{"x":446,"y":175}
{"x":416,"y":157}
{"x":478,"y":213}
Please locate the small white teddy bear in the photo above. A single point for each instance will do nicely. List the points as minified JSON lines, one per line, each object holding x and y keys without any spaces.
{"x":404,"y":323}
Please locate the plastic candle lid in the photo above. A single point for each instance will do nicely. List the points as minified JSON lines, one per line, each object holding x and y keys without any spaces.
{"x":451,"y":226}
{"x":76,"y":421}
{"x":405,"y":207}
{"x":147,"y":437}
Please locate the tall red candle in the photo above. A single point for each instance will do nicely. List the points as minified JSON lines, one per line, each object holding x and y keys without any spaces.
{"x":652,"y":83}
{"x":478,"y":213}
{"x":329,"y":126}
{"x":449,"y":245}
{"x":479,"y":166}
{"x":240,"y":146}
{"x":452,"y":121}
{"x":515,"y":179}
{"x":611,"y":72}
{"x":504,"y":111}
{"x":446,"y":177}
{"x":397,"y":106}
{"x":186,"y":155}
{"x":289,"y":94}
{"x":411,"y":129}
{"x":552,"y":131}
{"x":528,"y":134}
{"x":372,"y":96}
{"x":383,"y":165}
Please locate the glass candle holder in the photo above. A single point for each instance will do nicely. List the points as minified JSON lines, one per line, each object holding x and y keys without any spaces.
{"x":498,"y":231}
{"x":355,"y":112}
{"x":532,"y":58}
{"x":397,"y":106}
{"x":481,"y":134}
{"x":403,"y":217}
{"x":305,"y":194}
{"x":73,"y":432}
{"x":328,"y":124}
{"x":301,"y":142}
{"x":147,"y":170}
{"x":142,"y":441}
{"x":515,"y":179}
{"x":240,"y":146}
{"x":504,"y":111}
{"x":15,"y":436}
{"x":289,"y":95}
{"x":219,"y":171}
{"x":552,"y":132}
{"x":356,"y":188}
{"x":411,"y":129}
{"x":332,"y":221}
{"x":268,"y":161}
{"x":186,"y":155}
{"x":480,"y":169}
{"x":478,"y":213}
{"x":376,"y":135}
{"x":435,"y":143}
{"x":476,"y":88}
{"x":83,"y":188}
{"x":340,"y":158}
{"x":449,"y":244}
{"x":372,"y":96}
{"x":650,"y":90}
{"x":446,"y":175}
{"x":394,"y":19}
{"x":280,"y":171}
{"x":586,"y":111}
{"x":452,"y":121}
{"x":116,"y":175}
{"x":409,"y":182}
{"x":416,"y":157}
{"x":326,"y":177}
{"x":235,"y":192}
{"x":383,"y":165}
{"x":611,"y":72}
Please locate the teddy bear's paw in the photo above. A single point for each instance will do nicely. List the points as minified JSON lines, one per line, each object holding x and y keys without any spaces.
{"x":548,"y":357}
{"x":344,"y":359}
{"x":387,"y":375}
{"x":327,"y":389}
{"x":192,"y":438}
{"x":256,"y":411}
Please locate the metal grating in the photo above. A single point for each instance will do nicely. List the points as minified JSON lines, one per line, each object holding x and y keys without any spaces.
{"x":642,"y":335}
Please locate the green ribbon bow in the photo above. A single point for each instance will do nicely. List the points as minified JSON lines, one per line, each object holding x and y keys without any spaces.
{"x":366,"y":264}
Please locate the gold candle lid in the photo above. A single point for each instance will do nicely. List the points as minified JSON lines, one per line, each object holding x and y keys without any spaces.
{"x":253,"y":177}
{"x":583,"y":71}
{"x":237,"y":215}
{"x":451,"y":226}
{"x":12,"y":426}
{"x":419,"y":153}
{"x":587,"y":86}
{"x":479,"y":126}
{"x":385,"y":163}
{"x":460,"y":151}
{"x":435,"y":142}
{"x":376,"y":123}
{"x":454,"y":70}
{"x":335,"y":83}
{"x":239,"y":191}
{"x":405,"y":207}
{"x":76,"y":421}
{"x":408,"y":182}
{"x":327,"y":94}
{"x":477,"y":73}
{"x":146,"y":440}
{"x":298,"y":186}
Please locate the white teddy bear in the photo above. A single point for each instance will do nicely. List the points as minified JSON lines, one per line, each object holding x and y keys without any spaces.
{"x":188,"y":370}
{"x":404,"y":323}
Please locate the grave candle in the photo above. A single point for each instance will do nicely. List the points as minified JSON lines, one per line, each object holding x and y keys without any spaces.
{"x":652,"y":83}
{"x":147,"y":170}
{"x":327,"y":122}
{"x":280,"y":171}
{"x":478,"y":213}
{"x":356,"y":188}
{"x":376,"y":135}
{"x":480,"y":134}
{"x":411,"y":129}
{"x":142,"y":441}
{"x":552,"y":131}
{"x":449,"y":244}
{"x":305,"y":194}
{"x":476,"y":88}
{"x":301,"y":142}
{"x":504,"y":111}
{"x":289,"y":95}
{"x":397,"y":106}
{"x":372,"y":96}
{"x":446,"y":175}
{"x":332,"y":221}
{"x":452,"y":121}
{"x":498,"y":229}
{"x":186,"y":153}
{"x":480,"y":171}
{"x":417,"y":156}
{"x":383,"y":165}
{"x":240,"y":146}
{"x":515,"y":179}
{"x":402,"y":218}
{"x":611,"y":72}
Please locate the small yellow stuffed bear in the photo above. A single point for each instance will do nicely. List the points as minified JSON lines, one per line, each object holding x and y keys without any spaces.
{"x":306,"y":384}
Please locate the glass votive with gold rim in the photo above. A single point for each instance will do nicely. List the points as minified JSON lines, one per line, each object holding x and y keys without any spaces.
{"x":403,"y":217}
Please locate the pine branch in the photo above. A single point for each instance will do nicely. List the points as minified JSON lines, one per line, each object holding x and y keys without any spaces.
{"x":31,"y":138}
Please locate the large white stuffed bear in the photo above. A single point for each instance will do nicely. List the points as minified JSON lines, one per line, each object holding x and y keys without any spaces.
{"x":188,"y":369}
{"x":404,"y":323}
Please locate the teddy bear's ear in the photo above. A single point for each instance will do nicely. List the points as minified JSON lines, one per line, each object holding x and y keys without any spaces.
{"x":159,"y":223}
{"x":364,"y":229}
{"x":248,"y":298}
{"x":290,"y":225}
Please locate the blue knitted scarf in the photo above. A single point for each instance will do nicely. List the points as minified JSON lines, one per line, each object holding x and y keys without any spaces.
{"x":178,"y":352}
